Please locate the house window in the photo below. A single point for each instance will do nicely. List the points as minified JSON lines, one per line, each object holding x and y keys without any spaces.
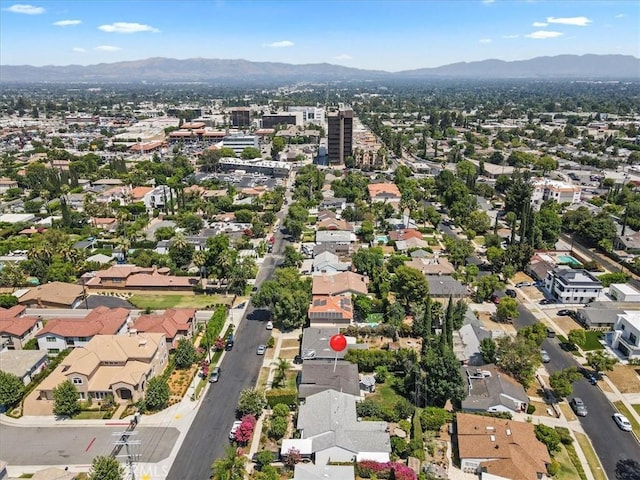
{"x":83,"y":339}
{"x":633,"y":339}
{"x":51,"y":339}
{"x":53,"y":350}
{"x":77,"y":381}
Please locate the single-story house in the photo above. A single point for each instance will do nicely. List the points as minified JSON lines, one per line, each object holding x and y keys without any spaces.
{"x":331,"y":310}
{"x":444,"y":286}
{"x":324,"y":375}
{"x":330,"y":421}
{"x":340,"y":284}
{"x":434,"y":265}
{"x":500,"y":449}
{"x":174,"y":323}
{"x":309,"y":471}
{"x":139,"y":278}
{"x":489,"y":390}
{"x":603,"y":315}
{"x":315,"y":343}
{"x":384,"y":192}
{"x":53,"y":295}
{"x":328,"y":262}
{"x":118,"y":365}
{"x":24,"y":364}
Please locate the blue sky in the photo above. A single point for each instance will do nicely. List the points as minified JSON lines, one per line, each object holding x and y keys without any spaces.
{"x":388,"y":35}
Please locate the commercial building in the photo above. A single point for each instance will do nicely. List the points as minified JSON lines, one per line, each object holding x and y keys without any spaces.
{"x":265,"y":167}
{"x":309,"y":114}
{"x":239,"y":142}
{"x":271,"y":120}
{"x":340,"y":135}
{"x":240,"y":117}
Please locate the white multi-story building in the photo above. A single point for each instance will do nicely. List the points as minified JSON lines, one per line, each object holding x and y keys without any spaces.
{"x":561,"y":192}
{"x":568,"y":285}
{"x":309,"y":114}
{"x":239,"y":142}
{"x":626,"y":335}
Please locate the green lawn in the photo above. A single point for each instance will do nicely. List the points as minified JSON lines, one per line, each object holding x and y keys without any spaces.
{"x":636,"y":408}
{"x":90,"y":415}
{"x":593,"y":341}
{"x":592,"y":458}
{"x":162,"y":302}
{"x":567,"y":471}
{"x":385,"y":394}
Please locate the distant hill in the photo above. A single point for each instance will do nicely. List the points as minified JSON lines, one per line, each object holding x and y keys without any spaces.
{"x":159,"y":70}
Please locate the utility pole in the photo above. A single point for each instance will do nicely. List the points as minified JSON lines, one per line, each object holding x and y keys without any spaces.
{"x":124,"y":440}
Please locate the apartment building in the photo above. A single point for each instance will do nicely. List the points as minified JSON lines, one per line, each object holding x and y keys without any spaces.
{"x":562,"y":192}
{"x":568,"y":285}
{"x":340,"y":135}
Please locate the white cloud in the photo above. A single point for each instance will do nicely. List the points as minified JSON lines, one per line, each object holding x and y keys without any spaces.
{"x":66,"y":23}
{"x":108,"y":48}
{"x":25,"y":9}
{"x":280,"y":44}
{"x":576,"y":21}
{"x":126,"y":27}
{"x":79,"y":49}
{"x":343,"y":56}
{"x":540,"y":24}
{"x":485,"y":40}
{"x":620,"y":15}
{"x":511,"y":36}
{"x":543,"y":35}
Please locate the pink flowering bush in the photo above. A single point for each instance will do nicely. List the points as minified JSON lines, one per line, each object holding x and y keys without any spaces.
{"x":245,"y":430}
{"x":369,"y":468}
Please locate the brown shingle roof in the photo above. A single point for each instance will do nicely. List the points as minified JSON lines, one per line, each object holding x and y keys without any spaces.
{"x":510,"y":448}
{"x":343,"y":282}
{"x":54,"y":292}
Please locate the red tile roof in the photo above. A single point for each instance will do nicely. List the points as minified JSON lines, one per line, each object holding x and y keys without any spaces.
{"x":383,"y":189}
{"x":170,"y":323}
{"x":100,"y":321}
{"x":12,"y":323}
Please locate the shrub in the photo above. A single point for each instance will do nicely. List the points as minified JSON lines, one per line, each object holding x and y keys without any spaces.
{"x":404,"y":425}
{"x":66,"y":399}
{"x":251,"y":402}
{"x":433,"y":418}
{"x":403,"y":408}
{"x":565,"y":435}
{"x":381,"y":374}
{"x":400,"y":447}
{"x":548,"y":436}
{"x":186,"y":354}
{"x":371,"y":469}
{"x":277,"y":427}
{"x":531,"y":409}
{"x":281,"y":410}
{"x":286,"y":396}
{"x":265,"y":457}
{"x":553,"y":468}
{"x":369,"y":409}
{"x":157,"y":394}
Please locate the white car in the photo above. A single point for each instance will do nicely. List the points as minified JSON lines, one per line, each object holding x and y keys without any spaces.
{"x":234,"y":428}
{"x":269,"y":325}
{"x":622,"y":421}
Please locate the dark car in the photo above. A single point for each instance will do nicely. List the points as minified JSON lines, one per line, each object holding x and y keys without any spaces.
{"x":564,"y":312}
{"x":229,"y":343}
{"x":495,"y":299}
{"x":551,"y":333}
{"x":510,"y":292}
{"x":548,"y":301}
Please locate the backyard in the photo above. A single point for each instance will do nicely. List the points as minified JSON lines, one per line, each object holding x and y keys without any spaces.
{"x":162,"y":302}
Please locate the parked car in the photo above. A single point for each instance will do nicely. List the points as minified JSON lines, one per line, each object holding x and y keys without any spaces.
{"x":564,"y":312}
{"x":578,"y":406}
{"x":551,"y":333}
{"x":215,"y":375}
{"x":269,"y":325}
{"x":523,"y":284}
{"x":510,"y":292}
{"x":622,"y":421}
{"x":234,"y":428}
{"x":545,"y":356}
{"x":261,"y":349}
{"x":495,"y":299}
{"x":229,"y":344}
{"x":548,"y":301}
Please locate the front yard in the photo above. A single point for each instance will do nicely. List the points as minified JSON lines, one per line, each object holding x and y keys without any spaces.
{"x":625,"y":378}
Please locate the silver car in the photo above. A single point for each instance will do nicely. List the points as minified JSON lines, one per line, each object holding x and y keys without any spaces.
{"x":545,"y":356}
{"x":578,"y":406}
{"x":622,"y":421}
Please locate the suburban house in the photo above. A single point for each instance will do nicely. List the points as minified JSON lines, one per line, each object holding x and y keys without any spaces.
{"x":331,"y":202}
{"x":334,"y":224}
{"x":411,"y":243}
{"x":404,"y":234}
{"x":445,"y":286}
{"x":7,"y":184}
{"x":569,"y":285}
{"x":489,"y":390}
{"x":331,"y":431}
{"x":435,"y":265}
{"x":466,"y":343}
{"x":328,"y":262}
{"x":139,"y":278}
{"x":53,"y":295}
{"x":330,"y":310}
{"x":315,"y":343}
{"x":17,"y":328}
{"x":24,"y":364}
{"x":384,"y":192}
{"x":630,"y":243}
{"x":340,"y":237}
{"x":174,"y":323}
{"x":623,"y":292}
{"x":106,"y":224}
{"x":500,"y":449}
{"x":340,"y":284}
{"x":118,"y":365}
{"x":324,"y":375}
{"x":61,"y":333}
{"x":309,"y":471}
{"x":603,"y":315}
{"x":625,"y":336}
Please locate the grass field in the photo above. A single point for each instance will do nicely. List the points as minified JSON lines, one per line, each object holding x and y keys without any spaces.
{"x":636,"y":408}
{"x":385,"y":394}
{"x":593,"y":341}
{"x":162,"y":302}
{"x":567,"y":471}
{"x":590,"y":454}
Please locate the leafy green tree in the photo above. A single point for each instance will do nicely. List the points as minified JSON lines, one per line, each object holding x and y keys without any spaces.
{"x":277,"y":145}
{"x":191,"y":223}
{"x":231,"y":466}
{"x":507,"y":309}
{"x":600,"y":361}
{"x":548,"y":436}
{"x":66,"y":399}
{"x":251,"y":402}
{"x":488,"y":349}
{"x":368,"y":260}
{"x":561,"y":381}
{"x":11,"y":389}
{"x":535,"y":333}
{"x":519,"y":358}
{"x":8,"y":301}
{"x":444,"y":380}
{"x":578,"y":337}
{"x":410,"y":285}
{"x":287,"y":296}
{"x":366,"y":231}
{"x":156,"y":394}
{"x":186,"y":354}
{"x":458,"y":250}
{"x":164,"y":233}
{"x":486,"y":285}
{"x":479,"y":221}
{"x":434,"y":418}
{"x":105,"y":467}
{"x":292,"y":258}
{"x":181,"y":251}
{"x":249,"y":153}
{"x":263,"y":458}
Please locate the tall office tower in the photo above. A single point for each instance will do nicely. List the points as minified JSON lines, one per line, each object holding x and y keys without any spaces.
{"x":241,"y":117}
{"x":340,"y":135}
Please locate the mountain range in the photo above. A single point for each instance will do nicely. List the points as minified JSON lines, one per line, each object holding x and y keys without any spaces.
{"x":169,"y":70}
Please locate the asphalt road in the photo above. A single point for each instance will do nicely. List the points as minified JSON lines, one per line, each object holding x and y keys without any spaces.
{"x":208,"y":436}
{"x":79,"y":445}
{"x":610,"y":443}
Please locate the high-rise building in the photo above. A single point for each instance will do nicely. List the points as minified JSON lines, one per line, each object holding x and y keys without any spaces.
{"x":241,"y":117}
{"x":340,"y":135}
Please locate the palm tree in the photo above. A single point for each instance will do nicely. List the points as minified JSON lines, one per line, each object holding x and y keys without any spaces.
{"x":282,"y":365}
{"x":124,"y":244}
{"x":229,"y":467}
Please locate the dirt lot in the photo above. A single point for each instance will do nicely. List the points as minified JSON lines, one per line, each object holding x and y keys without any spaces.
{"x":522,"y":277}
{"x":626,"y":378}
{"x":533,"y":293}
{"x":489,"y":324}
{"x":566,"y":324}
{"x":290,"y":343}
